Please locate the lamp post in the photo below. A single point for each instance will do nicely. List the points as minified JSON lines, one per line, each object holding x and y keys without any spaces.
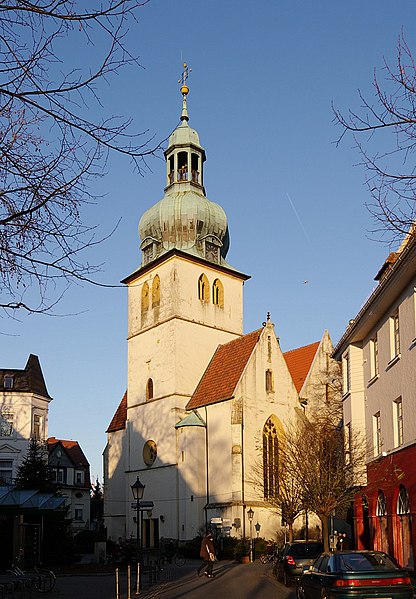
{"x":250,"y":514}
{"x":137,"y":489}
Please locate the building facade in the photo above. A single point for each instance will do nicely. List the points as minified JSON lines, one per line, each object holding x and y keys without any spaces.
{"x":204,"y":403}
{"x":379,"y":387}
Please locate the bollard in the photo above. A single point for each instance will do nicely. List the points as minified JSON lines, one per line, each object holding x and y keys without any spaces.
{"x":117,"y":586}
{"x":138,"y":579}
{"x":128,"y":582}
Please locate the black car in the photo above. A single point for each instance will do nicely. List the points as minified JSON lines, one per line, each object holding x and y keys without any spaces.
{"x":296,"y":557}
{"x":355,"y":575}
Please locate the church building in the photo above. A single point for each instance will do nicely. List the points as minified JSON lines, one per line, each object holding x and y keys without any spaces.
{"x":206,"y":405}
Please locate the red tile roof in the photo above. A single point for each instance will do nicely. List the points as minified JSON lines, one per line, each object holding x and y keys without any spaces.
{"x":220,"y":379}
{"x":299,"y":362}
{"x":118,"y":422}
{"x":72,"y":448}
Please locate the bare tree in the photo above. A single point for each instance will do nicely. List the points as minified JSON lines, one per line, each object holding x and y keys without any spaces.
{"x":55,"y":137}
{"x":384,"y":130}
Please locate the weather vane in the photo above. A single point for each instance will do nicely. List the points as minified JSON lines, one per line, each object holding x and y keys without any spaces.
{"x":184,"y":76}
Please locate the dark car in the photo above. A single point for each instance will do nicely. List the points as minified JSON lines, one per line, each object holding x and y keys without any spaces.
{"x":355,"y":575}
{"x":295,"y":557}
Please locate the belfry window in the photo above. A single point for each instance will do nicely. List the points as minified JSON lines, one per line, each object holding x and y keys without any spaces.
{"x":149,"y":390}
{"x":182,"y":166}
{"x":145,"y":297}
{"x":218,"y":293}
{"x":195,"y":168}
{"x":156,"y":291}
{"x":270,"y":459}
{"x":171,"y":174}
{"x":203,"y":289}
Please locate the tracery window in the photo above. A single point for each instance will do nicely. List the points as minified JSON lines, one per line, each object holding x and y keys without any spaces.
{"x":270,"y":459}
{"x":203,"y":288}
{"x":381,"y":504}
{"x":156,"y":291}
{"x":403,"y":503}
{"x":218,"y":293}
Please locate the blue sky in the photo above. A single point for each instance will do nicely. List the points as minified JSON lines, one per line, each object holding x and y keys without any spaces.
{"x":264,"y":75}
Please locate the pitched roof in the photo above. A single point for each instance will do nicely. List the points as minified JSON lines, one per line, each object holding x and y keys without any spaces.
{"x":118,"y":421}
{"x":221,"y":377}
{"x":299,"y":362}
{"x":28,"y":380}
{"x":73,"y":450}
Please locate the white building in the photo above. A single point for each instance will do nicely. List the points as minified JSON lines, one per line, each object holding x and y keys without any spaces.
{"x":204,"y":401}
{"x":24,"y":405}
{"x":379,"y":372}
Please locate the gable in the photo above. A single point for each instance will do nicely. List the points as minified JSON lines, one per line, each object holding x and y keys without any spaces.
{"x":221,"y":377}
{"x":118,"y":422}
{"x":299,"y":362}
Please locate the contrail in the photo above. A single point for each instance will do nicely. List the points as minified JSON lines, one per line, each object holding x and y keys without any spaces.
{"x":299,"y":221}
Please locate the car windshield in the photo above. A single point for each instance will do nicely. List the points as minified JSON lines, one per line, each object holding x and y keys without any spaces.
{"x":365,"y":562}
{"x":307,"y":550}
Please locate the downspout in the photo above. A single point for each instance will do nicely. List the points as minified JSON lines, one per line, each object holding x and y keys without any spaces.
{"x":207,"y":469}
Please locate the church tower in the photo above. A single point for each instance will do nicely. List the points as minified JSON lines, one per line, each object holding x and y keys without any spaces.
{"x":183,"y":301}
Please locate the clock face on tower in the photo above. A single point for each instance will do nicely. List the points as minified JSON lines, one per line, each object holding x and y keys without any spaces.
{"x":149,"y":452}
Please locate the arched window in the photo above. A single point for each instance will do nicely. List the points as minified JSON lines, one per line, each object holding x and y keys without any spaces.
{"x":149,"y":390}
{"x":218,"y":293}
{"x":156,"y":291}
{"x":381,"y":504}
{"x":145,"y":297}
{"x":269,"y":380}
{"x":403,"y":503}
{"x":270,"y":458}
{"x":203,"y":289}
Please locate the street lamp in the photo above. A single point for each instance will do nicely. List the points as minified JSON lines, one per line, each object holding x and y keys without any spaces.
{"x":137,"y":489}
{"x":250,"y":514}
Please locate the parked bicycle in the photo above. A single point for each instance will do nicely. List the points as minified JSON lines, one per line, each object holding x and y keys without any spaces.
{"x":268,"y":557}
{"x":42,"y":580}
{"x":177,"y":558}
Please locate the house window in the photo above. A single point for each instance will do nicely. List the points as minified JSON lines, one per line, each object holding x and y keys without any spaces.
{"x":79,"y":513}
{"x":270,"y":459}
{"x":8,"y":381}
{"x":394,"y":335}
{"x":156,"y":291}
{"x":59,"y":475}
{"x":149,"y":390}
{"x":203,"y":288}
{"x":398,"y":422}
{"x":269,"y":380}
{"x":79,"y":477}
{"x":374,"y":357}
{"x":6,"y":472}
{"x":218,"y":293}
{"x":6,"y":424}
{"x":37,"y":422}
{"x":346,"y":373}
{"x":377,"y":433}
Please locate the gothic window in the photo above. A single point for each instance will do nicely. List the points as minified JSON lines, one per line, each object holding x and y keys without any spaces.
{"x":218,"y":293}
{"x":145,"y":297}
{"x":269,"y":380}
{"x":270,"y":459}
{"x":203,"y":289}
{"x":149,"y":390}
{"x":156,"y":291}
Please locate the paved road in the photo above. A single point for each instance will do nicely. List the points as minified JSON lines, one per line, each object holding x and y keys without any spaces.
{"x":232,"y":580}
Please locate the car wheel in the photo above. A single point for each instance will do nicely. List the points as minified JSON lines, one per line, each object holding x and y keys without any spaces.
{"x":300,"y":593}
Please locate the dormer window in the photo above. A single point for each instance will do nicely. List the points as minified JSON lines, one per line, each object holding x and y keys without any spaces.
{"x":8,"y":381}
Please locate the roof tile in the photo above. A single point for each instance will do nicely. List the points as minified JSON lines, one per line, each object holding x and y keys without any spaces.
{"x":119,"y":419}
{"x":299,"y":362}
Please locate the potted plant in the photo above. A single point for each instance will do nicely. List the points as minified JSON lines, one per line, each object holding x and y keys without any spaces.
{"x":242,"y":550}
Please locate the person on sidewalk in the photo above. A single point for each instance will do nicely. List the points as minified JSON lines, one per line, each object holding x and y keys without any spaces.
{"x":208,"y":555}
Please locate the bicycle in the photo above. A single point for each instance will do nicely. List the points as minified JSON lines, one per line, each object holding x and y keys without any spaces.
{"x":268,"y":557}
{"x":43,"y":580}
{"x":177,"y":558}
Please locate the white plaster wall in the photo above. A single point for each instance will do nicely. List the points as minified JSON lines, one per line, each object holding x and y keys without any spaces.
{"x":396,"y":378}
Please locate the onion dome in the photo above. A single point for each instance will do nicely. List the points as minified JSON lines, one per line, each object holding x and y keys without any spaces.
{"x":184,"y":219}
